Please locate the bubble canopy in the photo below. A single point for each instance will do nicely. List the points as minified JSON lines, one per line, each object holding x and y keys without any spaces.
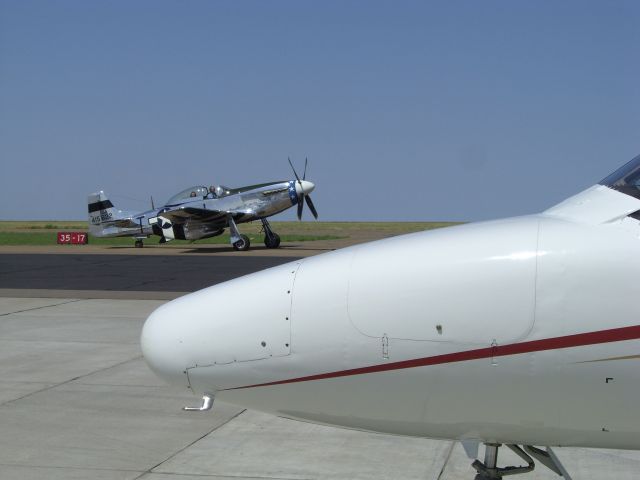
{"x":197,"y":191}
{"x":626,"y":179}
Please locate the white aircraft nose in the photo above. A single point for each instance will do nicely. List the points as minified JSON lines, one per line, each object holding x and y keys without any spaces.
{"x":306,"y":187}
{"x":238,"y":323}
{"x":162,"y":342}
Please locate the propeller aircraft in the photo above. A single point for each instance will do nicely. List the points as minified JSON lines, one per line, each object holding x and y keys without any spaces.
{"x":202,"y":212}
{"x":522,"y":332}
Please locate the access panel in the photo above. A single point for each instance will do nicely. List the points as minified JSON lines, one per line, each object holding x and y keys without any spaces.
{"x":467,"y":284}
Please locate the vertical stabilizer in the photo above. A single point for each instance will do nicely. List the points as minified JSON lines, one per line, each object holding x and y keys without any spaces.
{"x":101,"y":212}
{"x":107,"y":221}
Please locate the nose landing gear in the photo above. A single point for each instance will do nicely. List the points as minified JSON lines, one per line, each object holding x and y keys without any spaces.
{"x":489,"y":470}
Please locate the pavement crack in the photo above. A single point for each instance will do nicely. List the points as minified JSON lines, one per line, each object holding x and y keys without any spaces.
{"x":214,"y":475}
{"x":42,"y":307}
{"x":150,"y":470}
{"x":68,"y":467}
{"x":74,"y":379}
{"x":446,"y":460}
{"x":83,"y":342}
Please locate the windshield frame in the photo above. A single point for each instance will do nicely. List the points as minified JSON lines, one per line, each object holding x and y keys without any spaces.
{"x":626,"y":179}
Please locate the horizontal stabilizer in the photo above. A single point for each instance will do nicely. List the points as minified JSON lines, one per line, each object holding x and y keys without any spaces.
{"x":107,"y":221}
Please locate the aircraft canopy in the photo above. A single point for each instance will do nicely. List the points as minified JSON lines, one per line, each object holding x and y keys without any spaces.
{"x":221,"y":191}
{"x":195,"y":192}
{"x":626,"y":179}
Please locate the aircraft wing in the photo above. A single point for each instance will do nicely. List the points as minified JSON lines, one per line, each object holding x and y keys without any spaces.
{"x":182,"y":215}
{"x":126,"y":223}
{"x":121,"y":223}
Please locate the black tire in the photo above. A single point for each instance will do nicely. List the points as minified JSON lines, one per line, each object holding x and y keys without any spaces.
{"x":243,"y":244}
{"x":139,"y":244}
{"x":272,"y":241}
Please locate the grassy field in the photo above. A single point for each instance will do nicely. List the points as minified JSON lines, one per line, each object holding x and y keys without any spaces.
{"x":44,"y":232}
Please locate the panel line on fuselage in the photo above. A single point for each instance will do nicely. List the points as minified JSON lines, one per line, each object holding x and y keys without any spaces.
{"x":554,"y":343}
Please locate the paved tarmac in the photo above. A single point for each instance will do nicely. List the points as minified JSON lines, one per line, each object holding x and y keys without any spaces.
{"x":111,"y":273}
{"x":78,"y":402}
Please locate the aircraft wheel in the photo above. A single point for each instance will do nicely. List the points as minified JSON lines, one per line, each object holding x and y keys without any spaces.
{"x":272,"y":241}
{"x":139,"y":244}
{"x":242,"y":244}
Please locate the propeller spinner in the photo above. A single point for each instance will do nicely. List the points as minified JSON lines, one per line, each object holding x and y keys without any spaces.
{"x":303,"y":189}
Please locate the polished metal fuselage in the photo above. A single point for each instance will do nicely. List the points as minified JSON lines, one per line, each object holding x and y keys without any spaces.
{"x":242,"y":204}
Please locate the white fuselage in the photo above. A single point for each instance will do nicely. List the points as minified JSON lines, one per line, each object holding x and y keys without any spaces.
{"x":519,"y":331}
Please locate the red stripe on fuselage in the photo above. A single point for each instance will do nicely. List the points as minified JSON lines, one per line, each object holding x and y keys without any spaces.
{"x":569,"y":341}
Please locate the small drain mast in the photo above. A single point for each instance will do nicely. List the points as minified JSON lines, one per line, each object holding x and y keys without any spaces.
{"x":207,"y":404}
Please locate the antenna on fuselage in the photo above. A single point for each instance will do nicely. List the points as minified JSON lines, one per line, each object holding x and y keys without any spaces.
{"x":153,"y":207}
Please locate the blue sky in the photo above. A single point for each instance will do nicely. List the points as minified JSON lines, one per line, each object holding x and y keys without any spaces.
{"x":407,"y":110}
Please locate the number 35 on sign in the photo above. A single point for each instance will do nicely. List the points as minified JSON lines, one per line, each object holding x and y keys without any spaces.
{"x":73,"y":238}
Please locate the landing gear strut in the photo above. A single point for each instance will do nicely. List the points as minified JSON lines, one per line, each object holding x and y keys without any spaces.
{"x":243,"y":244}
{"x":489,"y":470}
{"x":238,"y":241}
{"x":271,"y":239}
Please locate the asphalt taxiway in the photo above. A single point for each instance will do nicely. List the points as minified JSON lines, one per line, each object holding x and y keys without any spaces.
{"x":77,"y":401}
{"x":91,"y":275}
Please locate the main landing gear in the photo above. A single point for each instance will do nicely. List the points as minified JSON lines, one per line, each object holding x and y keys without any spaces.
{"x":271,"y":239}
{"x":489,"y":470}
{"x":138,"y":243}
{"x":239,"y":241}
{"x":242,"y":243}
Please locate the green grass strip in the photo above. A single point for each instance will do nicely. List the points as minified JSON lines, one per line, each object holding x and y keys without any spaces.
{"x":50,"y":238}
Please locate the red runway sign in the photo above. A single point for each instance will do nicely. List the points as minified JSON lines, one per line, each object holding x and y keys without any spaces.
{"x":73,"y":238}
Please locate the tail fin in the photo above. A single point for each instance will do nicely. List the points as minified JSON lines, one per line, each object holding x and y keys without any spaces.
{"x":101,"y":213}
{"x":107,"y":221}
